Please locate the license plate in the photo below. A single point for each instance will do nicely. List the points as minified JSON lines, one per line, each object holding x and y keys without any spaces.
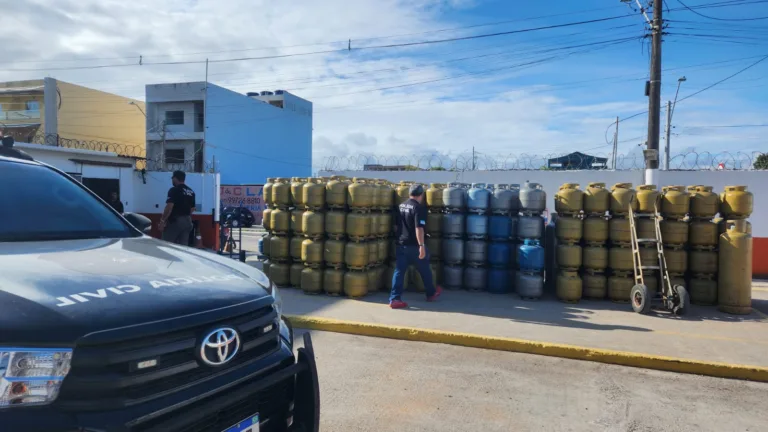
{"x":251,"y":424}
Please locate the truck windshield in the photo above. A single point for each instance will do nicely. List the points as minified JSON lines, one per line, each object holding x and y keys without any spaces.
{"x":38,"y":204}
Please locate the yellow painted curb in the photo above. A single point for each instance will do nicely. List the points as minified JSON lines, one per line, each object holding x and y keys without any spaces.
{"x":647,"y":361}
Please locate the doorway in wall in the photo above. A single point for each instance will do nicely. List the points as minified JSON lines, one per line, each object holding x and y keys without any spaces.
{"x":102,"y":187}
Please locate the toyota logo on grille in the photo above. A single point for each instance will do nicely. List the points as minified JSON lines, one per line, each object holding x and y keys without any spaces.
{"x":219,"y":346}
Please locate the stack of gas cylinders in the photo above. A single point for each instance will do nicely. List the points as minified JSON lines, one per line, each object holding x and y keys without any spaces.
{"x":702,"y":242}
{"x":334,"y":231}
{"x":597,"y":204}
{"x":735,"y":251}
{"x":529,"y":282}
{"x":620,"y":260}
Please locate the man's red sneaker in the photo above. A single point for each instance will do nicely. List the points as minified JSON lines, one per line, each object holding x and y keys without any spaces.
{"x":438,"y":291}
{"x":398,"y":304}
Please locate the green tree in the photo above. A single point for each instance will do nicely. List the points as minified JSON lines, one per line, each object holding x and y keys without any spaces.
{"x":761,"y":163}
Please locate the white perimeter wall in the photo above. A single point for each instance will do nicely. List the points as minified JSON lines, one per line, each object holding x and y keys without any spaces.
{"x":756,"y":181}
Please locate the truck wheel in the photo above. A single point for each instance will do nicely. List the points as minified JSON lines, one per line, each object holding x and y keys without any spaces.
{"x":640,"y":297}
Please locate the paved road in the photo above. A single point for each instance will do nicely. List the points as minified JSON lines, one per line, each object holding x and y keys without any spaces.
{"x":371,"y":384}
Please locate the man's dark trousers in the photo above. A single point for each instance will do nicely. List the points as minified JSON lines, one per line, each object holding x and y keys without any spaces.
{"x":407,"y":256}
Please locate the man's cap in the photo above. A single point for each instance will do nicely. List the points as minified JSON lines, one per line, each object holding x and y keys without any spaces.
{"x":416,"y":190}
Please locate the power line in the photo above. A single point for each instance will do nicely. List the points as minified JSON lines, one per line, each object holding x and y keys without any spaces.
{"x":720,"y":19}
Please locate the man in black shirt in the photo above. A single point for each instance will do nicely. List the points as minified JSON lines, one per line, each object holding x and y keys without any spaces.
{"x":410,"y":220}
{"x":115,"y":203}
{"x":176,"y":221}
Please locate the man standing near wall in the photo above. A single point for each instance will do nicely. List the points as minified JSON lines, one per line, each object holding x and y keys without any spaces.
{"x":410,"y":220}
{"x":176,"y":221}
{"x":115,"y":202}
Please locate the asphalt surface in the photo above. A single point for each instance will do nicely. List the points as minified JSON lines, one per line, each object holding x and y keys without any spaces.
{"x":372,"y":384}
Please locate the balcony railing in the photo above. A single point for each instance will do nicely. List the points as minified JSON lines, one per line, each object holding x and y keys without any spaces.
{"x":20,"y":115}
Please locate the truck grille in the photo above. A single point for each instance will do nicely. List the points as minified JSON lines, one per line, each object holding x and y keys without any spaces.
{"x":106,"y":376}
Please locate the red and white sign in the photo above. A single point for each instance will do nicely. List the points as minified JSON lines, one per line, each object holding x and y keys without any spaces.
{"x":249,"y":196}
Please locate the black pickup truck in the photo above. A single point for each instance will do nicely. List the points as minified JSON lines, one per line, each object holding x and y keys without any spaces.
{"x":105,"y":329}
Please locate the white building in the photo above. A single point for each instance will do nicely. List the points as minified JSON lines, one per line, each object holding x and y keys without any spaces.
{"x":199,"y":128}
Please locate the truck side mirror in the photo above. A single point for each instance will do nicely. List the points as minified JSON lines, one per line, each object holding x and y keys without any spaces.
{"x":141,"y":222}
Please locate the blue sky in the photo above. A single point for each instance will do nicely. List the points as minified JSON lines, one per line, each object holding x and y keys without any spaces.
{"x":542,"y":93}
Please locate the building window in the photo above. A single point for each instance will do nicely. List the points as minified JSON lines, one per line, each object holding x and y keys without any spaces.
{"x":33,"y":106}
{"x":174,"y":156}
{"x":174,"y":117}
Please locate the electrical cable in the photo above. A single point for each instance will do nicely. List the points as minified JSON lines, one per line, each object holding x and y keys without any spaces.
{"x":721,"y":19}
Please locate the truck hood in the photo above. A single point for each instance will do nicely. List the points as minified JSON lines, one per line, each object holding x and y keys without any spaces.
{"x":58,"y":291}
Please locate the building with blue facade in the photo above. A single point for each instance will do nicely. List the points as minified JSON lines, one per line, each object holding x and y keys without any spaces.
{"x":246,"y":138}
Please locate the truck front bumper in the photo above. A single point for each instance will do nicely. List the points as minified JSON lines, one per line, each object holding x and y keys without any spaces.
{"x":282,"y":389}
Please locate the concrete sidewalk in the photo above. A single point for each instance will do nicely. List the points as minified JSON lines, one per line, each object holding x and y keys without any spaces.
{"x":704,"y":335}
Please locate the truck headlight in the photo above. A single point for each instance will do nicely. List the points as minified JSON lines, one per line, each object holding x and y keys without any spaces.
{"x":31,"y":376}
{"x":278,"y":300}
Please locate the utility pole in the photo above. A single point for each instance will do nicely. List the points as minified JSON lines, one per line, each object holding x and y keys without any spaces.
{"x":654,"y":97}
{"x":615,"y":143}
{"x":473,"y":158}
{"x":667,"y":133}
{"x":162,"y":148}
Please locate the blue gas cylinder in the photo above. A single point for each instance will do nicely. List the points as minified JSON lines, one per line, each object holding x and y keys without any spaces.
{"x":498,"y":280}
{"x":500,"y":227}
{"x":499,"y":254}
{"x":530,"y":256}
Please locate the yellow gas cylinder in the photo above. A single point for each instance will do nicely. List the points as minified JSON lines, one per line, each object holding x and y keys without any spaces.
{"x":403,"y":191}
{"x":358,"y":225}
{"x":373,"y":253}
{"x":675,"y":202}
{"x":296,"y":269}
{"x":569,"y":286}
{"x":312,"y":252}
{"x":281,"y":221}
{"x":356,"y":255}
{"x":647,"y":199}
{"x":594,"y":286}
{"x":312,"y":280}
{"x":569,"y":199}
{"x":620,"y":259}
{"x":569,"y":256}
{"x":336,"y":192}
{"x":280,"y":273}
{"x":619,"y":288}
{"x":313,"y":194}
{"x":266,"y":191}
{"x":356,"y":283}
{"x":281,"y":193}
{"x":333,"y":281}
{"x":384,"y":190}
{"x":721,"y":226}
{"x":279,"y":248}
{"x":333,"y":252}
{"x":649,"y":255}
{"x":297,"y":224}
{"x":360,"y":194}
{"x":651,"y":281}
{"x":265,"y":267}
{"x":595,"y":230}
{"x":736,"y":203}
{"x":701,"y":262}
{"x":674,"y":232}
{"x":266,"y":244}
{"x":266,"y":215}
{"x":295,"y":247}
{"x":703,"y":291}
{"x":597,"y":199}
{"x":569,"y":229}
{"x":435,"y":196}
{"x":646,"y":228}
{"x":336,"y":224}
{"x":595,"y":258}
{"x":376,"y":222}
{"x":375,"y":194}
{"x":703,"y":233}
{"x":435,"y":222}
{"x":734,"y":279}
{"x":313,"y":223}
{"x":677,"y":260}
{"x":622,"y":196}
{"x":434,"y":247}
{"x":385,"y":224}
{"x":297,"y":191}
{"x":383,"y":249}
{"x":619,"y":231}
{"x":704,"y":203}
{"x":372,"y":275}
